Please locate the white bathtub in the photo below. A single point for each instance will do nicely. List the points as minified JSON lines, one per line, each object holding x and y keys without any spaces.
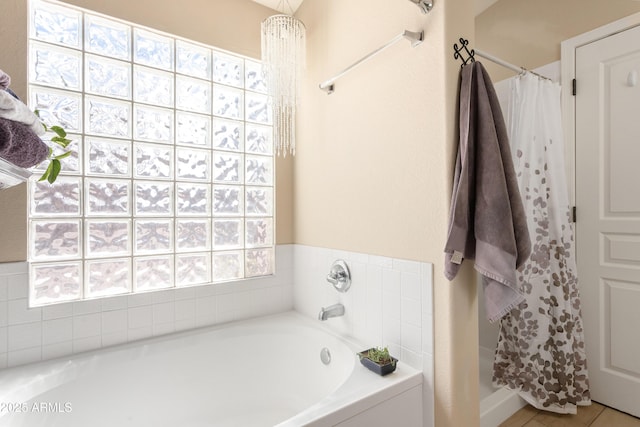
{"x":259,"y":372}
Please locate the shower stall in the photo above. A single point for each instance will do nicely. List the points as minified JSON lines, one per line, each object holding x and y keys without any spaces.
{"x":496,"y":404}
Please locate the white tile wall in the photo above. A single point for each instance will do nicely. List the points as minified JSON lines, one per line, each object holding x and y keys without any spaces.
{"x":389,"y":304}
{"x":33,"y":334}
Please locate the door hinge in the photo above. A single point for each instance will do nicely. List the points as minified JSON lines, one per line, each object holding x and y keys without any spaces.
{"x":573,"y":87}
{"x":573,"y":214}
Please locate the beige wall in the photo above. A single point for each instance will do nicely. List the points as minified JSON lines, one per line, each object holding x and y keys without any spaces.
{"x":228,"y":24}
{"x":455,"y":303}
{"x":374,"y":161}
{"x":370,"y":169}
{"x":528,"y":33}
{"x":13,"y":60}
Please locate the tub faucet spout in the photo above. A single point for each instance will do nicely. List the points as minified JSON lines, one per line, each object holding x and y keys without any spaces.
{"x":334,"y":310}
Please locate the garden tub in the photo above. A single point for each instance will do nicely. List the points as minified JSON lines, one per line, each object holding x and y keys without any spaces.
{"x":259,"y":372}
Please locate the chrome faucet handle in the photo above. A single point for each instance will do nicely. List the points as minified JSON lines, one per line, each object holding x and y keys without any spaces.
{"x":334,"y":279}
{"x":340,"y":276}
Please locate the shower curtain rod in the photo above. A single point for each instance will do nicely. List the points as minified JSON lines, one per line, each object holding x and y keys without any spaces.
{"x":499,"y":61}
{"x":459,"y":52}
{"x":415,"y":37}
{"x":507,"y":64}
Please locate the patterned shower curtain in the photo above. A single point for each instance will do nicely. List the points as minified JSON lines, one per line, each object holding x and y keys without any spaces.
{"x":541,"y":350}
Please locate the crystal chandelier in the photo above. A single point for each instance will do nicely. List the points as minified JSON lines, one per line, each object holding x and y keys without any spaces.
{"x":283,"y":59}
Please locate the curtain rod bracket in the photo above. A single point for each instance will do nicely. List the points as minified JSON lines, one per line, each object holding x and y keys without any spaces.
{"x":330,"y":88}
{"x":415,"y":37}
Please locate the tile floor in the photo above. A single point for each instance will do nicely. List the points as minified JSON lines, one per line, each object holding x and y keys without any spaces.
{"x":595,"y":415}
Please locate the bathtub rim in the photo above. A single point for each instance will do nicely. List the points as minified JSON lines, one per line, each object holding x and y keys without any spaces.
{"x":78,"y":360}
{"x":360,"y":390}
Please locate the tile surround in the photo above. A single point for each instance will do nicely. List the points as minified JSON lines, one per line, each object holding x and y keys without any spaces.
{"x":389,"y":303}
{"x":32,"y":334}
{"x":386,"y":305}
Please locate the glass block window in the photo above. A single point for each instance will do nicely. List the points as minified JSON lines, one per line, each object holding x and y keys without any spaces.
{"x":171,"y":179}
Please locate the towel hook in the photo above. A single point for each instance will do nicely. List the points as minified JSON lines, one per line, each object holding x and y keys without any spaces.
{"x":458,"y":52}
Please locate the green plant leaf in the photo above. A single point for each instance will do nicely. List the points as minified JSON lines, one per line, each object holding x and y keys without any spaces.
{"x":37,"y":113}
{"x":64,"y":142}
{"x":54,"y":167}
{"x":55,"y":170}
{"x":63,"y":155}
{"x":59,"y":131}
{"x":46,"y":173}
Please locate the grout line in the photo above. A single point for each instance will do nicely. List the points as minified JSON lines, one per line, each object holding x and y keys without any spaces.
{"x":535,"y":414}
{"x":525,"y":421}
{"x":604,"y":408}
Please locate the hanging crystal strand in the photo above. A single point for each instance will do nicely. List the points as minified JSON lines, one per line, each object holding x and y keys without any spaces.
{"x":283,"y":57}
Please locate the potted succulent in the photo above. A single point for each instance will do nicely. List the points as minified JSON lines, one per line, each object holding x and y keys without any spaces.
{"x":378,"y":360}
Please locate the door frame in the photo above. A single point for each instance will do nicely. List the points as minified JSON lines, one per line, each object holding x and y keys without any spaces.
{"x":567,"y":74}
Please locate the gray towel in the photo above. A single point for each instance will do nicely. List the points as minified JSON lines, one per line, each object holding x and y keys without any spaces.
{"x":20,"y":145}
{"x":487,"y":220}
{"x":5,"y":80}
{"x":14,"y":109}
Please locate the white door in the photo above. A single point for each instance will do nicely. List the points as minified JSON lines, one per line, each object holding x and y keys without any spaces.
{"x":608,"y":214}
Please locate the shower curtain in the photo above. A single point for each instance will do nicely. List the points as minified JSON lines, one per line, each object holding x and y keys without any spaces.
{"x":541,"y":351}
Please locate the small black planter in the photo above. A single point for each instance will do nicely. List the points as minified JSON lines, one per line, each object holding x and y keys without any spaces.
{"x":379,"y":369}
